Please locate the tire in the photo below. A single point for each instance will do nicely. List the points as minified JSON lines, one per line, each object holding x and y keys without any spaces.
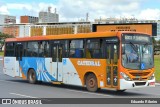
{"x":91,"y":83}
{"x":32,"y":76}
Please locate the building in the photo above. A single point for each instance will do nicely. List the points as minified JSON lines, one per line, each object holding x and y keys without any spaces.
{"x":14,"y":29}
{"x":28,"y":19}
{"x":48,"y":17}
{"x":11,"y":30}
{"x":55,"y":28}
{"x":42,"y":29}
{"x":6,"y":19}
{"x":149,"y":28}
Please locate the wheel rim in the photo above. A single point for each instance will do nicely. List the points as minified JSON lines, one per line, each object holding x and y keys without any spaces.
{"x":91,"y":83}
{"x":32,"y":76}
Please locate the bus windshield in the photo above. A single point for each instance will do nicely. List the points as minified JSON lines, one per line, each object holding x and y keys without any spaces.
{"x":137,"y":53}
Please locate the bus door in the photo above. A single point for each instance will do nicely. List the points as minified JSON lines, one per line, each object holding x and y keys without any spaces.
{"x":18,"y":53}
{"x":112,"y":62}
{"x":56,"y":53}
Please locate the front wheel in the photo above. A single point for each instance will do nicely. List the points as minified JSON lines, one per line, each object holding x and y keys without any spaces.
{"x":32,"y":76}
{"x":91,"y":83}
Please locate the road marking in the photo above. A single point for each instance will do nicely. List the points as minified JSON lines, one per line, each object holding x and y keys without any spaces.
{"x":23,"y":95}
{"x":90,"y":93}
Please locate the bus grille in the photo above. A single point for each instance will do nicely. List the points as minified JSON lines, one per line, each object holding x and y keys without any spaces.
{"x":139,"y":73}
{"x":140,"y":83}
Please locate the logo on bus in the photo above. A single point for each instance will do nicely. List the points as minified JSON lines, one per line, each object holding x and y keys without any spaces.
{"x":89,"y":63}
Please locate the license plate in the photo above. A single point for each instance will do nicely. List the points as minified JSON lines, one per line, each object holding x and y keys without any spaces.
{"x":152,"y":83}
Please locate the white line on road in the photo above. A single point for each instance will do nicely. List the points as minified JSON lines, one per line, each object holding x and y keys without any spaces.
{"x":90,"y":93}
{"x":23,"y":95}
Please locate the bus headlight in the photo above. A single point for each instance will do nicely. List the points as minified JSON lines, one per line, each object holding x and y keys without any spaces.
{"x":126,"y":77}
{"x":151,"y":77}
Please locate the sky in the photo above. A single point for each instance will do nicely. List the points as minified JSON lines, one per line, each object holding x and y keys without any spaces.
{"x":75,"y":10}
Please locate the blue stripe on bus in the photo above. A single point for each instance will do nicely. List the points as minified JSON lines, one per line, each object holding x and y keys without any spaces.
{"x":38,"y":64}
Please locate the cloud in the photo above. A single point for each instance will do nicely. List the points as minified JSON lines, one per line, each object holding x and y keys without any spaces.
{"x":97,"y":8}
{"x":4,"y":10}
{"x":71,"y":10}
{"x":19,"y":6}
{"x":150,"y":14}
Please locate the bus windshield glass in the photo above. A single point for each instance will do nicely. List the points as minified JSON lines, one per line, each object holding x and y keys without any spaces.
{"x":137,"y":51}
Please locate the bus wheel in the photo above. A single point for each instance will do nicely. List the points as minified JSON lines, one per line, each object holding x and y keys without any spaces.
{"x":32,"y":76}
{"x":91,"y":83}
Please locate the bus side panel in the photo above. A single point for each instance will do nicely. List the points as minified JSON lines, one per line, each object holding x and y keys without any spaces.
{"x":9,"y":66}
{"x":95,"y":66}
{"x":70,"y":75}
{"x":42,"y":71}
{"x":17,"y":69}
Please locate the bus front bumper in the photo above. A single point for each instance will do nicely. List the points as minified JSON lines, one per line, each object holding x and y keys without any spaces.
{"x":136,"y":84}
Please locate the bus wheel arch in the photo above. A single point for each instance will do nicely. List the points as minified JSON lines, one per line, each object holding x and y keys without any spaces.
{"x":91,"y":81}
{"x":31,"y":76}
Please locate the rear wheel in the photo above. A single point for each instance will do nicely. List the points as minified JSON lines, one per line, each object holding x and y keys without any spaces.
{"x":32,"y":76}
{"x":91,"y":83}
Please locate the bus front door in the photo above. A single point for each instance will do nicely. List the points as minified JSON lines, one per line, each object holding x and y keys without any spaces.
{"x":57,"y":62}
{"x":112,"y":65}
{"x":18,"y":52}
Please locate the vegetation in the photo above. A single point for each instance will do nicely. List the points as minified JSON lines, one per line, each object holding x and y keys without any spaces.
{"x":157,"y":67}
{"x":3,"y":37}
{"x":1,"y":53}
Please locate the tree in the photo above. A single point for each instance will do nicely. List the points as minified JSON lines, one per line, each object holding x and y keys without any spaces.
{"x":154,"y":41}
{"x":3,"y":37}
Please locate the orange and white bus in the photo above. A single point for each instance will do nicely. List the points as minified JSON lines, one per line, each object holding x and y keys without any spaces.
{"x":101,"y":60}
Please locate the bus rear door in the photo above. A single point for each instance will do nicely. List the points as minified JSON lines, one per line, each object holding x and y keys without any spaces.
{"x":56,"y":53}
{"x":112,"y":62}
{"x":19,"y":52}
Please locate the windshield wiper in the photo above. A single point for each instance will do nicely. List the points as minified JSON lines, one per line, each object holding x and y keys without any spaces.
{"x":134,"y":47}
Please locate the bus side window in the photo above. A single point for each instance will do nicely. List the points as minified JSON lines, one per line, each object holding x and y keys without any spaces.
{"x":65,"y":49}
{"x":43,"y":49}
{"x":76,"y":49}
{"x":46,"y":49}
{"x":93,"y":48}
{"x":9,"y":49}
{"x":88,"y":53}
{"x":32,"y":49}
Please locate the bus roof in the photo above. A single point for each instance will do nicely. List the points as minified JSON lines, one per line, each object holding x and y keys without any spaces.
{"x":66,"y":36}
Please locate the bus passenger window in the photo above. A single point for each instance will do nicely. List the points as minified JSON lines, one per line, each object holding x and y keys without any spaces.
{"x":32,"y":49}
{"x":43,"y":49}
{"x":9,"y":49}
{"x":93,"y":48}
{"x":76,"y":49}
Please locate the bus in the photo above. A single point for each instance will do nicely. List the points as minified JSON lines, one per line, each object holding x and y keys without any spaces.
{"x":98,"y":60}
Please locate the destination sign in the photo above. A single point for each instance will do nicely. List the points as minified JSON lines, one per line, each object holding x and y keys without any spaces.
{"x":112,"y":40}
{"x":135,"y":38}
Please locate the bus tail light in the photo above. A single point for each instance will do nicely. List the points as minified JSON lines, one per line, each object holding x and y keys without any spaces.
{"x":126,"y":77}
